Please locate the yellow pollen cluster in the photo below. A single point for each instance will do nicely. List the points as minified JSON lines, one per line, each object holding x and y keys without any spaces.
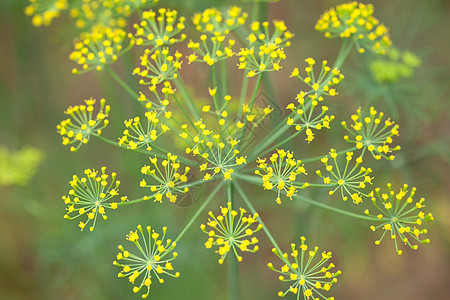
{"x":169,"y":178}
{"x":212,"y":21}
{"x":371,"y":133}
{"x":304,"y":118}
{"x":151,"y":259}
{"x":44,"y":12}
{"x":100,"y":47}
{"x":136,"y":135}
{"x":306,"y":275}
{"x":265,"y":51}
{"x":400,"y":216}
{"x":111,"y":13}
{"x":349,"y":180}
{"x":159,"y":29}
{"x":282,"y":173}
{"x":231,"y":230}
{"x":82,"y":124}
{"x":355,"y":20}
{"x":158,"y":66}
{"x":90,"y":195}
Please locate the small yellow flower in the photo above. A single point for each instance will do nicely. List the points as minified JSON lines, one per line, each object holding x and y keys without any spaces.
{"x":306,"y":277}
{"x":399,"y":215}
{"x":90,"y":195}
{"x":150,"y":258}
{"x":82,"y":124}
{"x":231,"y":230}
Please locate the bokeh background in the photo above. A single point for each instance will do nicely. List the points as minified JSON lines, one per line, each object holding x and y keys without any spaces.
{"x":44,"y":256}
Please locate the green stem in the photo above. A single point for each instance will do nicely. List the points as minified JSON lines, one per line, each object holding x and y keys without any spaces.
{"x":233,"y":272}
{"x":316,"y":158}
{"x":252,"y":102}
{"x":223,"y":78}
{"x":336,"y":210}
{"x":255,"y":12}
{"x":244,"y":88}
{"x":183,"y":110}
{"x":142,"y":151}
{"x":282,"y":127}
{"x":119,"y":80}
{"x":199,"y":211}
{"x":214,"y":85}
{"x":254,"y":180}
{"x":252,"y":209}
{"x":282,"y":143}
{"x":134,"y":201}
{"x":187,"y":97}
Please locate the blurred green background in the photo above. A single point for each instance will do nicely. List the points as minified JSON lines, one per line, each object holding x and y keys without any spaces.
{"x":44,"y":256}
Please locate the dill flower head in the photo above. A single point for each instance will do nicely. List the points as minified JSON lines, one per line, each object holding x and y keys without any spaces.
{"x":399,"y":215}
{"x":90,"y":195}
{"x":395,"y":66}
{"x":349,"y":180}
{"x":213,"y":21}
{"x":159,"y":66}
{"x":149,"y":258}
{"x":19,"y":166}
{"x":100,"y":47}
{"x":160,"y":28}
{"x":138,"y":135}
{"x":265,"y":51}
{"x":170,"y":179}
{"x":306,"y":116}
{"x":82,"y":123}
{"x":215,"y":27}
{"x":109,"y":13}
{"x":308,"y":276}
{"x":159,"y":101}
{"x":282,"y":173}
{"x":355,"y":21}
{"x":369,"y":133}
{"x":44,"y":11}
{"x":231,"y":230}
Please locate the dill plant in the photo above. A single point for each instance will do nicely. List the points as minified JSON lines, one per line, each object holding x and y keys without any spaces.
{"x":218,"y":136}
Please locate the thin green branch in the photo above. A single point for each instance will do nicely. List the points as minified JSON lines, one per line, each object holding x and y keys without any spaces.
{"x":122,"y":83}
{"x":149,"y":153}
{"x":199,"y":211}
{"x":256,"y":181}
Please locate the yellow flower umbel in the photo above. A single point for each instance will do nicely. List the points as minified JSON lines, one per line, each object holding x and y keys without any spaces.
{"x":215,"y":27}
{"x":265,"y":50}
{"x":399,"y":215}
{"x":159,"y":67}
{"x":231,"y":231}
{"x":100,"y":47}
{"x":304,"y":118}
{"x":212,"y":21}
{"x":282,"y":173}
{"x":82,"y":124}
{"x":150,"y":259}
{"x":90,"y":195}
{"x":19,"y":166}
{"x":395,"y":66}
{"x":137,"y":136}
{"x":349,"y":181}
{"x":355,"y":21}
{"x":109,"y":13}
{"x":307,"y":278}
{"x":159,"y":30}
{"x":369,"y":133}
{"x":220,"y":154}
{"x":44,"y":11}
{"x":160,"y":99}
{"x":169,"y":179}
